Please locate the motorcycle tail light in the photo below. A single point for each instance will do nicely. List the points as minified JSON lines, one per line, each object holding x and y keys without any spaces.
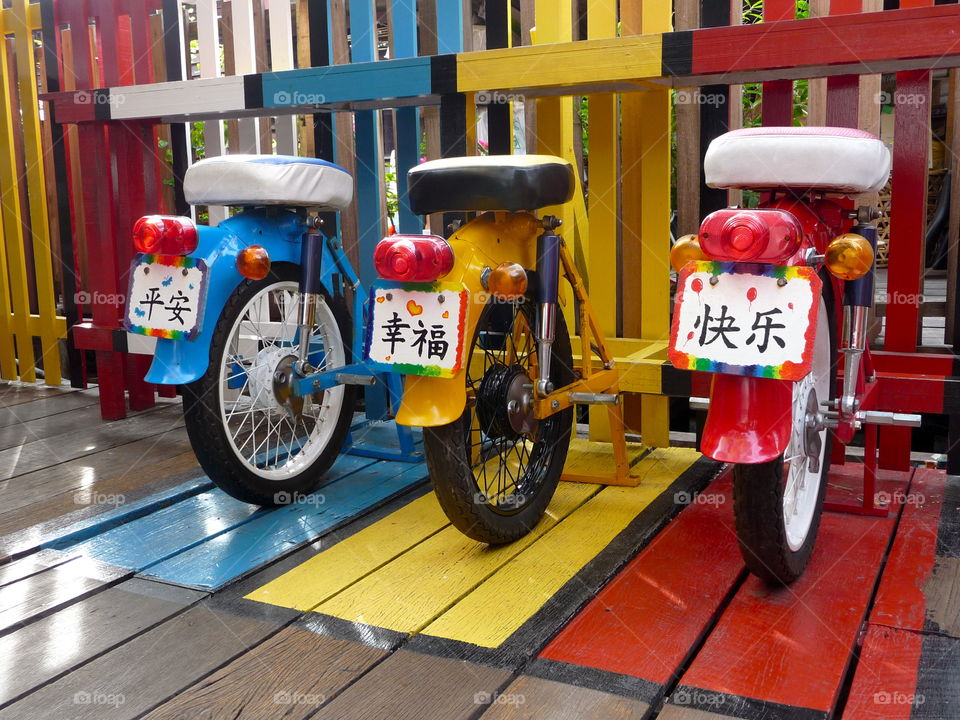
{"x":413,"y":258}
{"x":507,"y":281}
{"x":768,"y":236}
{"x":849,"y":256}
{"x":165,"y":235}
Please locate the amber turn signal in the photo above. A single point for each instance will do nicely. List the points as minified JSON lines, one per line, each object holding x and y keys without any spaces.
{"x":849,"y":256}
{"x":684,"y":250}
{"x":253,"y":262}
{"x":507,"y":281}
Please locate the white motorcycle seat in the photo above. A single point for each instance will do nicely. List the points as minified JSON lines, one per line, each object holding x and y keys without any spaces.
{"x":836,"y":160}
{"x":268,"y":180}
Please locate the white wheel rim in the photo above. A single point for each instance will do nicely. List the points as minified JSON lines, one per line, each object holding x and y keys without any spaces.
{"x":264,"y":435}
{"x":802,"y":486}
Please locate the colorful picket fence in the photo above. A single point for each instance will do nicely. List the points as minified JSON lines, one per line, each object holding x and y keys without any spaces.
{"x":30,"y":326}
{"x":358,"y":81}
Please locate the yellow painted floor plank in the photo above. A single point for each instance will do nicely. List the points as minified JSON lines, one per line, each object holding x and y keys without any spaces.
{"x":326,"y":574}
{"x":500,"y":605}
{"x":415,"y":588}
{"x":596,"y":458}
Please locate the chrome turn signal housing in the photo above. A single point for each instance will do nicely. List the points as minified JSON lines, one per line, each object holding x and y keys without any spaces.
{"x":849,"y":256}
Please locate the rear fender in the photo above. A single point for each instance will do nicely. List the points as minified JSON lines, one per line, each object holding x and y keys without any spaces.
{"x":749,"y":420}
{"x":487,"y":241}
{"x":176,"y":362}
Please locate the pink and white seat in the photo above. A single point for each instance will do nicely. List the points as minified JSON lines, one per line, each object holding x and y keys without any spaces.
{"x":834,"y":160}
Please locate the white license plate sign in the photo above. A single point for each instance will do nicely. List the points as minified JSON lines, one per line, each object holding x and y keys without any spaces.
{"x":417,"y":328}
{"x":166,"y":296}
{"x":745,"y":319}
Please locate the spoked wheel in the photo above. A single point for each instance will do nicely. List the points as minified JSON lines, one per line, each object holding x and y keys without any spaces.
{"x":495,"y":469}
{"x":777,"y":504}
{"x":252,"y":436}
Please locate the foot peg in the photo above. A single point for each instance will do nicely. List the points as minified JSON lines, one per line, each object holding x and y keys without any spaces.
{"x":580,"y":398}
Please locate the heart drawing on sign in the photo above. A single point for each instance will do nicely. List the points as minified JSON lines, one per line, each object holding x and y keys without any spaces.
{"x":413,"y":308}
{"x":381,"y":299}
{"x":446,"y":314}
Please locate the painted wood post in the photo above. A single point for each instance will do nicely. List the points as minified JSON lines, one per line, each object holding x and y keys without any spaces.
{"x":777,"y":107}
{"x":645,"y":189}
{"x":173,"y":51}
{"x":499,"y":117}
{"x":244,"y":58}
{"x":408,"y":120}
{"x":281,"y":58}
{"x":453,"y":106}
{"x":58,"y":138}
{"x":208,"y":47}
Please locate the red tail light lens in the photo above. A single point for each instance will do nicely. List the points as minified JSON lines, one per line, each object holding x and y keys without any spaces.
{"x":750,"y":235}
{"x":165,"y":235}
{"x":413,"y":258}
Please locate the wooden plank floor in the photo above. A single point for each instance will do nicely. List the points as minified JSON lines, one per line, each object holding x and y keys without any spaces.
{"x":132,"y":589}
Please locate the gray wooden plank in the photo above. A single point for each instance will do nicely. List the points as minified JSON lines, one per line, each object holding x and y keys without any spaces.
{"x":105,"y":478}
{"x":148,"y":670}
{"x":532,"y":698}
{"x":289,"y":675}
{"x":84,"y":441}
{"x":38,"y":595}
{"x":31,"y":565}
{"x":49,"y":427}
{"x":44,"y":406}
{"x":58,"y":643}
{"x":408,"y":685}
{"x":15,"y":393}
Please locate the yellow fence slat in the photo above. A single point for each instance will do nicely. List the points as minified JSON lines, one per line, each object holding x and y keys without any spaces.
{"x":36,"y":189}
{"x":13,"y":228}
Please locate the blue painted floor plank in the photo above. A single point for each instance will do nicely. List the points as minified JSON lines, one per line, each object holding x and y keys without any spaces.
{"x":155,"y":537}
{"x":220,"y":559}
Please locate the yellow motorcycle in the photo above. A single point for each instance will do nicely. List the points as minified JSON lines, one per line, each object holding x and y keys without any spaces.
{"x":473,"y":322}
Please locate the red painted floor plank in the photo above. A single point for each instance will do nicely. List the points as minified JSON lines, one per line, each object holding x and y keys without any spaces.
{"x":900,"y":600}
{"x":646,"y":621}
{"x":884,"y":686}
{"x":792,"y":645}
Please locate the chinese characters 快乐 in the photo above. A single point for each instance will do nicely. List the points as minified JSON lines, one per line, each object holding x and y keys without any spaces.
{"x":722,"y":325}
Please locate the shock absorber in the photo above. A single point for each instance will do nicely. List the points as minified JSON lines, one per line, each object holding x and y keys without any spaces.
{"x":548,"y":272}
{"x":858,"y":297}
{"x":311,"y":298}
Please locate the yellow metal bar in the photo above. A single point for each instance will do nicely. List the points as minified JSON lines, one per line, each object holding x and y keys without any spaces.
{"x":603,"y":381}
{"x":36,"y":191}
{"x":34,"y":21}
{"x":556,"y":61}
{"x":12,"y":230}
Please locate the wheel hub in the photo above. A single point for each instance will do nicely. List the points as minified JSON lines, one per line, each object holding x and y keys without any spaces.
{"x":505,"y":403}
{"x":271,"y":380}
{"x":813,"y":425}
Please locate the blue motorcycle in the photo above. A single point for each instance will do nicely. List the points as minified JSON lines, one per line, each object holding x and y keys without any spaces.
{"x":252,"y":321}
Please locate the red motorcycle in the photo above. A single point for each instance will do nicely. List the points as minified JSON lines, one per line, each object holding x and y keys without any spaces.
{"x":760,"y":295}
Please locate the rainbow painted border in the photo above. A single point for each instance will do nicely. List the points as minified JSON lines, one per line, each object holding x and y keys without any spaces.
{"x":406,"y":368}
{"x":170,"y":261}
{"x":786,"y":371}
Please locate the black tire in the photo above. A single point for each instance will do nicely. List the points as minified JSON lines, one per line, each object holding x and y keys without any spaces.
{"x":202,"y":412}
{"x":758,"y":498}
{"x":498,"y":518}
